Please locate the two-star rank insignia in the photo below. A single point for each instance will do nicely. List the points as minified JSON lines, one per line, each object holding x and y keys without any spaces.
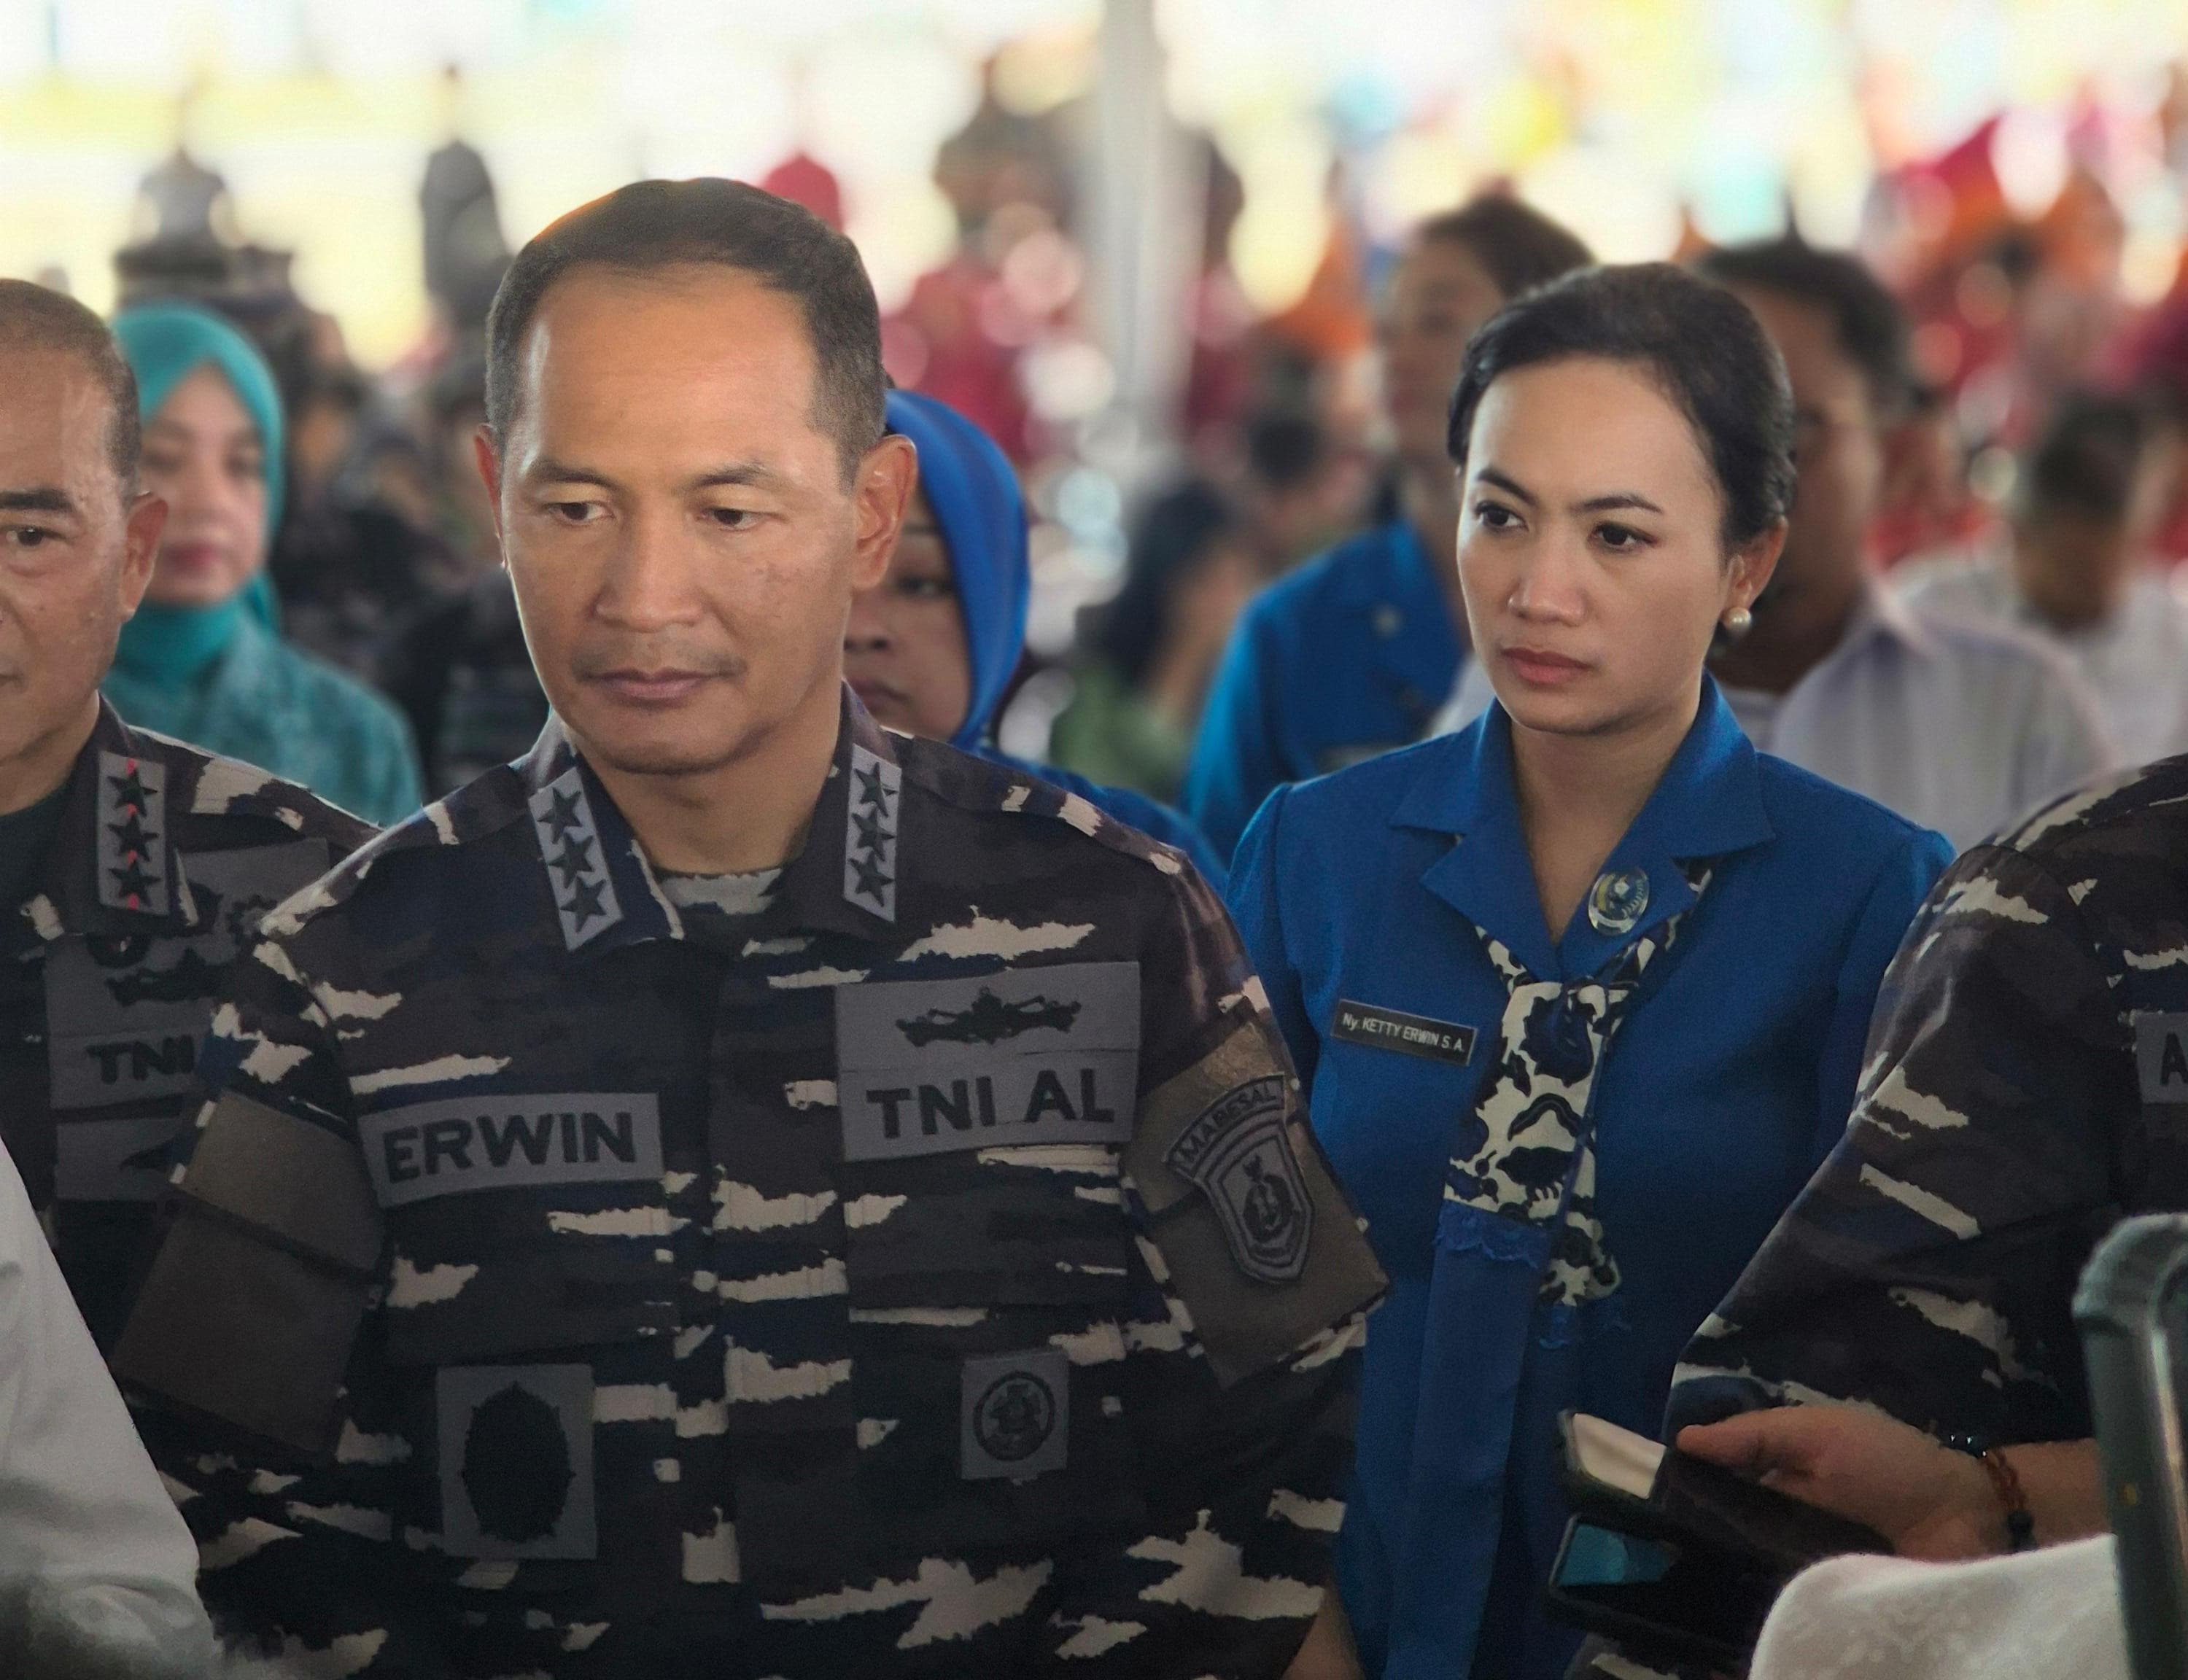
{"x":876,"y":803}
{"x":132,"y":832}
{"x":576,"y":867}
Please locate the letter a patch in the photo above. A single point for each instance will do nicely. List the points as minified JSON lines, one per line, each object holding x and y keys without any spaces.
{"x":1239,"y":1154}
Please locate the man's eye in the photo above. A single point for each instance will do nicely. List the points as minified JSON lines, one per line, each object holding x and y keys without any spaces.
{"x":733,"y":519}
{"x":29,"y":536}
{"x":574,"y":513}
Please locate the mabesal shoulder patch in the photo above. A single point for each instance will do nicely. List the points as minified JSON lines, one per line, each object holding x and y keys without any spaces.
{"x":1261,"y":1241}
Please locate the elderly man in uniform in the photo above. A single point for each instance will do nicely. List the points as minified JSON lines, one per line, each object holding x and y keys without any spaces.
{"x":132,"y":867}
{"x":736,"y":1192}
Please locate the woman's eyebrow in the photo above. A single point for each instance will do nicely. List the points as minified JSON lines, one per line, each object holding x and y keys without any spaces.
{"x":1616,"y":500}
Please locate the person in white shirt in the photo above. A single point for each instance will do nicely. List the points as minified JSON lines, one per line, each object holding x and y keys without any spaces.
{"x":97,"y":1573}
{"x":1958,"y":727}
{"x":2072,"y":570}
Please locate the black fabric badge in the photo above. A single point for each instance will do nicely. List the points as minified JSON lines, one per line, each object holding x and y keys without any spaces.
{"x":1395,"y":1029}
{"x":516,"y":1461}
{"x":1014,"y":1416}
{"x":1239,"y":1154}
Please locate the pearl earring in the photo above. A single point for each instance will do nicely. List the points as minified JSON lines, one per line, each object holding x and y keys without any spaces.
{"x":1739,"y":621}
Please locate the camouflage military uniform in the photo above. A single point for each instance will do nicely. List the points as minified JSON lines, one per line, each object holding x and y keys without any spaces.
{"x":164,"y":859}
{"x":929,"y":1273}
{"x":2026,"y":1087}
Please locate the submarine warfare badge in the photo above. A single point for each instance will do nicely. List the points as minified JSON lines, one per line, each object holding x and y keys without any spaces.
{"x":1239,"y":1155}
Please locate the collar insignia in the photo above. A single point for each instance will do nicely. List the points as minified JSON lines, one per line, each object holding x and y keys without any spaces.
{"x":875,"y":804}
{"x":577,"y":862}
{"x":132,"y":834}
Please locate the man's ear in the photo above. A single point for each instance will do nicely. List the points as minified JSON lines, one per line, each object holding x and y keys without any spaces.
{"x":140,"y":548}
{"x":1904,"y":442}
{"x":489,"y":471}
{"x":886,"y":476}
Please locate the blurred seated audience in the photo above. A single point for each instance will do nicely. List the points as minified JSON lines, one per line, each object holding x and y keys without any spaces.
{"x":203,"y":660}
{"x":458,"y":665}
{"x":2074,"y":568}
{"x":1153,"y":648}
{"x":1299,"y":491}
{"x":1354,"y":653}
{"x":356,"y":554}
{"x":931,"y":650}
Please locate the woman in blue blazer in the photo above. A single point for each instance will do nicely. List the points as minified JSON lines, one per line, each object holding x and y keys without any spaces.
{"x":1579,"y":994}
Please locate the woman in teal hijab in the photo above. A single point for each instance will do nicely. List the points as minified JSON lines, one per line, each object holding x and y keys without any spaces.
{"x":203,"y":660}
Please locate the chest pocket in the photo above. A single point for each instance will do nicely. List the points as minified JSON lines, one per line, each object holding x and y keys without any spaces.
{"x":530,"y":1265}
{"x":987,"y":1265}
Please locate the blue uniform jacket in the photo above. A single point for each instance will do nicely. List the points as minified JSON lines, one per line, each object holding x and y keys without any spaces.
{"x":1348,"y":657}
{"x":1731,"y":1077}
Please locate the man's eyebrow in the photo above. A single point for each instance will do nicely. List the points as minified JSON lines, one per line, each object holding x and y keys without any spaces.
{"x":546,"y":470}
{"x":38,"y":499}
{"x":750,"y":473}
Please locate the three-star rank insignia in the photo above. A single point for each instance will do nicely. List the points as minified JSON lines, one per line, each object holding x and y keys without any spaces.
{"x":870,"y":816}
{"x":133,"y":832}
{"x":577,"y":863}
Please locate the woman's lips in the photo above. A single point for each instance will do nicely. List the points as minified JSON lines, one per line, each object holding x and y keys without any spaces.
{"x":1541,"y":668}
{"x":193,"y":556}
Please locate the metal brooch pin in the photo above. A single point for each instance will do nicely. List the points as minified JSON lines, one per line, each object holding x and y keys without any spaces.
{"x":1617,"y":901}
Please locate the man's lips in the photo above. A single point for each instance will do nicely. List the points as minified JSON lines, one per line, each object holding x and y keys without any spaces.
{"x":651,"y":688}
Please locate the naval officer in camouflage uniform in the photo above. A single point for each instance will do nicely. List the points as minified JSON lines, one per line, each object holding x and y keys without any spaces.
{"x":2026,"y":1087}
{"x":132,"y":867}
{"x":736,"y":1192}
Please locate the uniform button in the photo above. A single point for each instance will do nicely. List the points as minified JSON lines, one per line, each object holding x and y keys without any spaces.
{"x":1617,"y":900}
{"x":1388,"y":621}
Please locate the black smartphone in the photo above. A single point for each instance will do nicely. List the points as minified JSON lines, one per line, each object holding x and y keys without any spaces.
{"x":1663,"y":1601}
{"x":2132,"y":1308}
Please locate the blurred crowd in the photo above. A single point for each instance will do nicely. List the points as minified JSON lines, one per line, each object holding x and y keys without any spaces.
{"x":2031,"y":468}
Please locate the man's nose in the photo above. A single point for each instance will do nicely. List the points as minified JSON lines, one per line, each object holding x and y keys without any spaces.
{"x":650,"y":583}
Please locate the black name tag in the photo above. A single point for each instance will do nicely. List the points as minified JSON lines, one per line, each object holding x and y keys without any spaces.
{"x":510,"y":1142}
{"x":1395,"y":1029}
{"x":1029,"y":1055}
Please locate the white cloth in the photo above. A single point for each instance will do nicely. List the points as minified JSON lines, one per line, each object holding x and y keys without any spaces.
{"x":2053,"y":1614}
{"x":85,"y":1521}
{"x":1963,"y":728}
{"x":2135,"y":662}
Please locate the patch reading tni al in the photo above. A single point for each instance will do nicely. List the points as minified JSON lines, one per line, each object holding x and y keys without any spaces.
{"x":1239,"y":1154}
{"x":1395,"y":1029}
{"x":1029,"y":1056}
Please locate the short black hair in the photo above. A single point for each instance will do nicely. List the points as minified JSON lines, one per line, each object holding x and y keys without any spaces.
{"x":652,"y":225}
{"x":1866,"y":320}
{"x":1700,"y":345}
{"x":1177,"y":534}
{"x":1517,"y":246}
{"x":2088,"y":461}
{"x":33,"y":316}
{"x":1285,"y":448}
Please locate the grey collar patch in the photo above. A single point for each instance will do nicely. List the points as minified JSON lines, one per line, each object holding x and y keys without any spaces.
{"x":576,"y":861}
{"x":132,"y":835}
{"x":871,"y":811}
